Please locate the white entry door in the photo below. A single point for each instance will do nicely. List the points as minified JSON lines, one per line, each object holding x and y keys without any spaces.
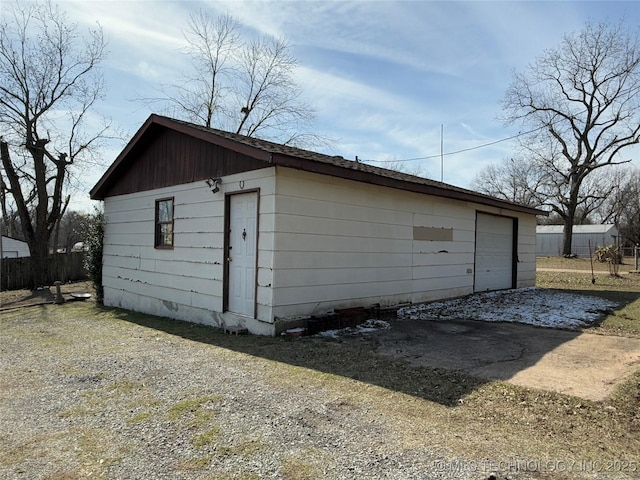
{"x":494,"y":253}
{"x":243,"y":212}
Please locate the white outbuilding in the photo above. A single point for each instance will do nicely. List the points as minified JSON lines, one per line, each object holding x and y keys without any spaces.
{"x":13,"y":248}
{"x":222,"y":229}
{"x":549,"y":239}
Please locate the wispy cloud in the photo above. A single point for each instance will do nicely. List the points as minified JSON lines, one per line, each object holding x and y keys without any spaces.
{"x":138,"y":24}
{"x":383,"y":75}
{"x":421,"y":35}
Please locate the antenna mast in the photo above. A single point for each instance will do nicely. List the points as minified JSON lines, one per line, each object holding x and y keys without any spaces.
{"x":442,"y":152}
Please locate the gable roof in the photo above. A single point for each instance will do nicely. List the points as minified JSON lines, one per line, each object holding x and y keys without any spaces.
{"x":286,"y":156}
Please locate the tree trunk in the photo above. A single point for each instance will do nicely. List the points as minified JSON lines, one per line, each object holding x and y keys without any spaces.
{"x":567,"y":236}
{"x":39,"y":251}
{"x":56,"y":237}
{"x":37,"y":237}
{"x":570,"y":215}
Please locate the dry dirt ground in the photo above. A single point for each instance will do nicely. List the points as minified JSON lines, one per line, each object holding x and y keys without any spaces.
{"x":576,"y":363}
{"x":20,"y":298}
{"x":103,"y":393}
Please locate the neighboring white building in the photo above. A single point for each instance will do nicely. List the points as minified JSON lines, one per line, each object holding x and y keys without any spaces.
{"x":217,"y":228}
{"x":12,"y":248}
{"x":549,"y":239}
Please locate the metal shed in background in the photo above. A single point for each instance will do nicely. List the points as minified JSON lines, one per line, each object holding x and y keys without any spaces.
{"x":549,"y":239}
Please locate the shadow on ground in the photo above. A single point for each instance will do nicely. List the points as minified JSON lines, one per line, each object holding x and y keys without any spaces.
{"x":440,"y":361}
{"x":354,"y":359}
{"x":623,"y":298}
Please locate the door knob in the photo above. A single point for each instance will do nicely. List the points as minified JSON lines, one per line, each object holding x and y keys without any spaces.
{"x":229,"y":259}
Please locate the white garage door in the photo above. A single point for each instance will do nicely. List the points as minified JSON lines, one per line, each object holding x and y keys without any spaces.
{"x":494,"y":253}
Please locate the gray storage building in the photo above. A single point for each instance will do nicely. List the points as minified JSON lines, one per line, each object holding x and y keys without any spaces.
{"x":549,"y":239}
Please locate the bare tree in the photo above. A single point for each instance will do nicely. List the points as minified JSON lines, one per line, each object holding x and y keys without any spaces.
{"x":71,"y":229}
{"x":244,"y":86}
{"x":582,"y":100}
{"x":49,"y":82}
{"x":269,"y":100}
{"x":401,"y":166}
{"x":628,"y":217}
{"x":212,"y":45}
{"x":622,"y":207}
{"x":514,"y":180}
{"x":8,"y":221}
{"x":526,"y":181}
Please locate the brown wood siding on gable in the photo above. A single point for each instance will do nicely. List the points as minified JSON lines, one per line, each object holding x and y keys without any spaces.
{"x":166,"y":152}
{"x":173,"y":158}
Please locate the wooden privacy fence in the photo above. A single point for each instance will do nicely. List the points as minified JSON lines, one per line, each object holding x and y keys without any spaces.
{"x":16,"y":272}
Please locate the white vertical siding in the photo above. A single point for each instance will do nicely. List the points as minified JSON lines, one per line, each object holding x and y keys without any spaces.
{"x":185,"y":282}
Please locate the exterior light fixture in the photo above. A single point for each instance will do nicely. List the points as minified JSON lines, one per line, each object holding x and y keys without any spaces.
{"x":214,"y":184}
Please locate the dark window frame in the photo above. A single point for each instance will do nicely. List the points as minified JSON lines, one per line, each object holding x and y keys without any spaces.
{"x":159,"y":236}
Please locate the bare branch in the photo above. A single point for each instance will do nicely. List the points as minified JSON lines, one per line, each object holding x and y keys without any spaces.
{"x":587,"y":93}
{"x":245,"y":86}
{"x":46,"y":67}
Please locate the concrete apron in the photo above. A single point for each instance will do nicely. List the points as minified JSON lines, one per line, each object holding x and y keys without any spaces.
{"x":585,"y":365}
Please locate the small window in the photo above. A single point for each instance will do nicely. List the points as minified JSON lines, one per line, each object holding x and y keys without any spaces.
{"x":164,"y":223}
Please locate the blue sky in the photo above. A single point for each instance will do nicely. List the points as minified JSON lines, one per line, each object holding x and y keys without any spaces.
{"x":384,"y":76}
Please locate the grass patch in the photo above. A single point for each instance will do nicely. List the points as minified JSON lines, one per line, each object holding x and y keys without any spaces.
{"x":244,"y":449}
{"x":199,"y":463}
{"x":582,"y":281}
{"x":295,"y":468}
{"x":206,"y":438}
{"x":623,"y":289}
{"x":190,"y":406}
{"x":13,"y":453}
{"x":234,"y":476}
{"x":129,"y":393}
{"x":547,"y":425}
{"x":97,"y":448}
{"x":625,"y":321}
{"x":126,"y":387}
{"x":78,"y":411}
{"x":209,"y":439}
{"x":139,"y":417}
{"x":202,"y":417}
{"x":582,"y":263}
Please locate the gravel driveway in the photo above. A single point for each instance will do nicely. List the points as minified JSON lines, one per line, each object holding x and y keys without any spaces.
{"x":85,"y":394}
{"x":94,"y":397}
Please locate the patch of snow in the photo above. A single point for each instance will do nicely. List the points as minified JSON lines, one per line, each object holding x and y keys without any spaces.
{"x":533,"y":306}
{"x":366,"y":327}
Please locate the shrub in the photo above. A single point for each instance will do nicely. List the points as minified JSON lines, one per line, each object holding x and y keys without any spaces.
{"x":609,"y":254}
{"x":93,"y":261}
